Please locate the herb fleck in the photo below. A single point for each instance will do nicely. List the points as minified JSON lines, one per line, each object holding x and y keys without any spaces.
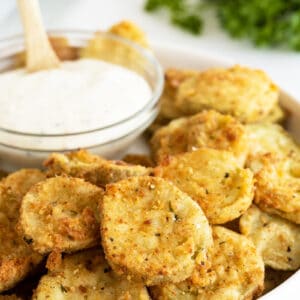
{"x":28,"y":240}
{"x":63,"y":289}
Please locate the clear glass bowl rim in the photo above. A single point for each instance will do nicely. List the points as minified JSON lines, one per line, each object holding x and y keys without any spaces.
{"x":146,"y":53}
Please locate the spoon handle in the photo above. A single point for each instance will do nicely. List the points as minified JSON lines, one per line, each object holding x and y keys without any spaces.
{"x":39,"y":53}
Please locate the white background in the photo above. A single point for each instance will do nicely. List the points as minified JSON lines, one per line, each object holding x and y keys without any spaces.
{"x":283,"y":66}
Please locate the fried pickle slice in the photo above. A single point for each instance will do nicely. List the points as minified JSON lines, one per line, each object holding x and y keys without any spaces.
{"x":247,"y":94}
{"x":61,"y":213}
{"x":17,"y":259}
{"x":173,"y":79}
{"x":271,"y":138}
{"x":151,"y":231}
{"x":92,"y":168}
{"x":207,"y":129}
{"x":277,"y":240}
{"x":214,"y":180}
{"x":169,"y":140}
{"x":87,"y":275}
{"x":129,"y":30}
{"x":275,"y":160}
{"x":237,"y":272}
{"x":277,"y":185}
{"x":112,"y":49}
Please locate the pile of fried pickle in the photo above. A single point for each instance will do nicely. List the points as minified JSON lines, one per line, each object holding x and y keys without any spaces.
{"x":212,"y":213}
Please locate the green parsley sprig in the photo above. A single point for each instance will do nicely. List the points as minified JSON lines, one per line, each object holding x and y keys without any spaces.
{"x":264,"y":22}
{"x":182,"y":14}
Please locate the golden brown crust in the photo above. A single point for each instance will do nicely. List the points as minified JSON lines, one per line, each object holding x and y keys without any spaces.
{"x":169,"y":140}
{"x":152,"y":231}
{"x":237,"y":272}
{"x":130,"y":31}
{"x":207,"y":129}
{"x":86,"y":275}
{"x":111,"y":49}
{"x":270,"y":138}
{"x":173,"y":79}
{"x":277,"y":240}
{"x":214,"y":180}
{"x":275,"y":161}
{"x":277,"y":185}
{"x":245,"y":93}
{"x":61,"y":213}
{"x":90,"y":167}
{"x":17,"y":258}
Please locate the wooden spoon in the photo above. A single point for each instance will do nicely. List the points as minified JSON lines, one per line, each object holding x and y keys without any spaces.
{"x":39,"y":53}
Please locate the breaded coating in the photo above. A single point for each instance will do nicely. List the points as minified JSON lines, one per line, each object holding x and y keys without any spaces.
{"x":237,"y":272}
{"x":247,"y":94}
{"x":170,"y":140}
{"x":277,"y":185}
{"x":273,"y":278}
{"x":275,"y":160}
{"x":214,"y":180}
{"x":86,"y":275}
{"x":114,"y":50}
{"x":173,"y":79}
{"x":130,"y":31}
{"x":61,"y":213}
{"x":90,"y":167}
{"x":277,"y":240}
{"x":207,"y":129}
{"x":151,"y":231}
{"x":138,"y":159}
{"x":213,"y":130}
{"x":271,"y":138}
{"x":17,"y":258}
{"x":276,"y":115}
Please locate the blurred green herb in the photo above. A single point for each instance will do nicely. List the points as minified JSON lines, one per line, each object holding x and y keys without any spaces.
{"x":182,"y":13}
{"x":264,"y":22}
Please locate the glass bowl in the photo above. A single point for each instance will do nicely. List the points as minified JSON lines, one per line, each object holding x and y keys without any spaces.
{"x":24,"y":149}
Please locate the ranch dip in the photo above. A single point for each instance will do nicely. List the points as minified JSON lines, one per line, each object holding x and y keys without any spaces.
{"x":79,"y":96}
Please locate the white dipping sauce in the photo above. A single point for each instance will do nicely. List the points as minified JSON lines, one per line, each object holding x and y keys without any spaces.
{"x":80,"y":96}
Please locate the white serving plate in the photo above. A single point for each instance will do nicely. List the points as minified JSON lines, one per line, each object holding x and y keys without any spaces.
{"x":171,"y":56}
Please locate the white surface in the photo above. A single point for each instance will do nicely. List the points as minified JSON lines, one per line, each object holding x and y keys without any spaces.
{"x":79,"y":96}
{"x":283,"y":66}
